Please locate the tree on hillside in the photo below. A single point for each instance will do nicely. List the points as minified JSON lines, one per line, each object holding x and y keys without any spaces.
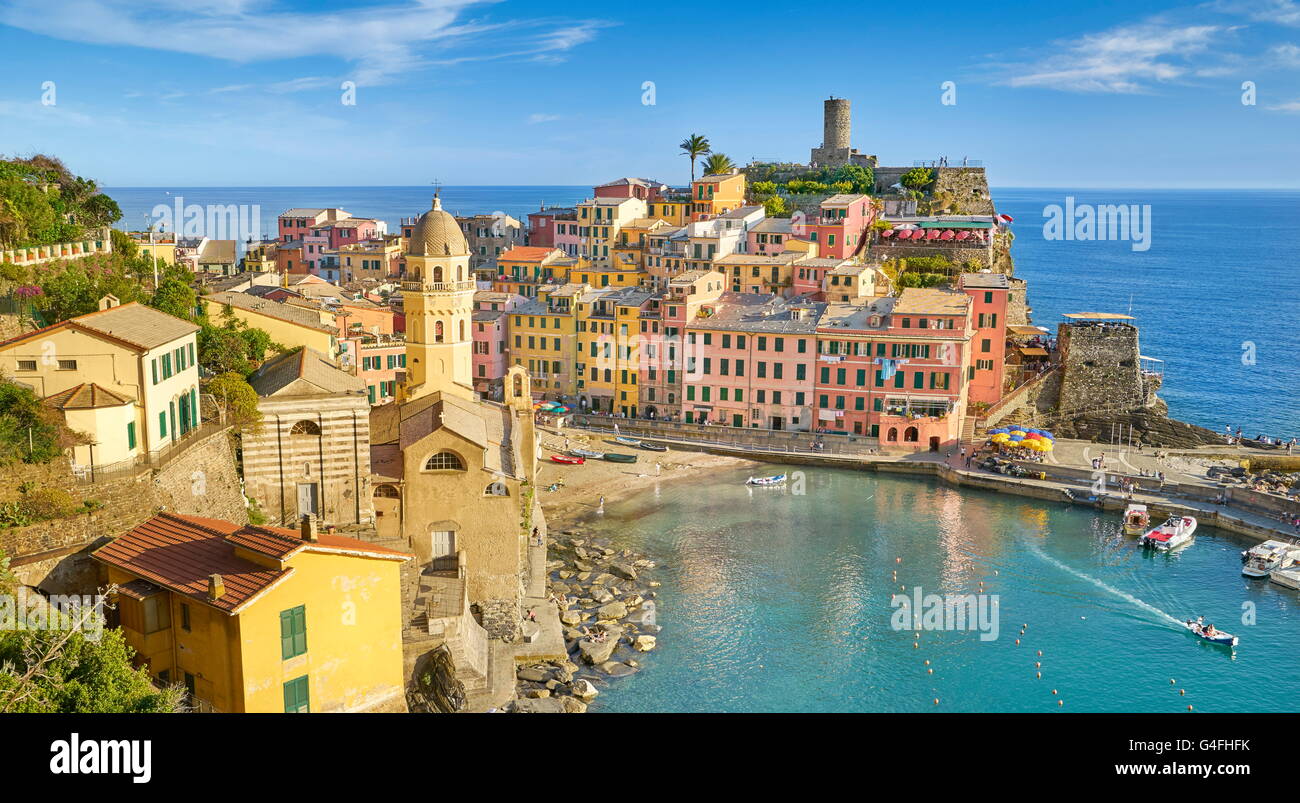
{"x":175,"y":297}
{"x":693,"y":147}
{"x":718,"y":164}
{"x":237,"y":400}
{"x":918,"y":178}
{"x":30,"y":430}
{"x":76,"y":666}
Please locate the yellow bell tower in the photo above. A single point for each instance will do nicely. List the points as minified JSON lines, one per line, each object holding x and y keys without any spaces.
{"x":438,"y":299}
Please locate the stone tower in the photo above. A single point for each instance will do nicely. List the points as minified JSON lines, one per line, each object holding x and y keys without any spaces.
{"x":836,"y":125}
{"x":438,"y":298}
{"x":1101,"y":369}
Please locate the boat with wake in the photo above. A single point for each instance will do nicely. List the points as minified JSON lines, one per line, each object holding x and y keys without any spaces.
{"x":1210,"y":634}
{"x":1176,"y":532}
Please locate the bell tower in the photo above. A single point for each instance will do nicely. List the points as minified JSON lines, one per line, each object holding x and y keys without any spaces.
{"x":438,"y":299}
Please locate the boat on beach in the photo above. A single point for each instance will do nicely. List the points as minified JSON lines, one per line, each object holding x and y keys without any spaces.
{"x":568,"y":460}
{"x":1261,"y":559}
{"x":626,"y":441}
{"x":1174,"y":533}
{"x":776,"y":479}
{"x":589,"y":454}
{"x":1136,"y":519}
{"x":616,"y":457}
{"x":653,"y":447}
{"x":1218,"y":637}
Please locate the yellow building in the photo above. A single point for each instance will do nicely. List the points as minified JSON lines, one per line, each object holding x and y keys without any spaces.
{"x":601,"y":220}
{"x":715,"y":195}
{"x":609,"y":325}
{"x":289,"y":325}
{"x":155,"y":245}
{"x":260,"y":258}
{"x":542,"y":337}
{"x":675,"y":211}
{"x":125,"y":375}
{"x":257,"y":619}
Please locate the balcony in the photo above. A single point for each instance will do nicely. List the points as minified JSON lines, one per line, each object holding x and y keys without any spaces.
{"x":467,"y":286}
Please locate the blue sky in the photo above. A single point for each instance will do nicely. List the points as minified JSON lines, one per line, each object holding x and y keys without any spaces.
{"x":248,"y":92}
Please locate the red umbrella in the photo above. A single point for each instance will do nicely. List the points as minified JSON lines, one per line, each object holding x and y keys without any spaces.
{"x":903,"y":234}
{"x":933,"y":234}
{"x":963,"y":235}
{"x":947,"y":234}
{"x":887,"y":233}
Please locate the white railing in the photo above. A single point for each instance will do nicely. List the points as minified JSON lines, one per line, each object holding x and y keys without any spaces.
{"x":47,"y":253}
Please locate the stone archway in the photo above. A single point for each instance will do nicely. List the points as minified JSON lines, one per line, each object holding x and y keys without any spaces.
{"x":387,"y":500}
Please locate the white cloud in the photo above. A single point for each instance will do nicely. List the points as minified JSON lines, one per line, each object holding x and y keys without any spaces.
{"x":381,"y":40}
{"x":1281,"y":12}
{"x":1287,"y":54}
{"x":533,"y":119}
{"x":1291,"y":107}
{"x":1126,"y":59}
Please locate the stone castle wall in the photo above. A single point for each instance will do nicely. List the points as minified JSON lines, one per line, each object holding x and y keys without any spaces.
{"x":202,"y":481}
{"x":969,"y":188}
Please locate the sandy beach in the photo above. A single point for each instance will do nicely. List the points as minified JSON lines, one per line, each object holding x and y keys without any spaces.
{"x":584,"y":485}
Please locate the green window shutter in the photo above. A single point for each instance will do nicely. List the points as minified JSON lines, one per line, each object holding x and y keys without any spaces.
{"x":898,"y":379}
{"x":300,"y":630}
{"x":130,"y":435}
{"x":918,"y":380}
{"x":286,"y":636}
{"x":162,"y":425}
{"x":740,"y":395}
{"x":155,"y":370}
{"x":296,"y":694}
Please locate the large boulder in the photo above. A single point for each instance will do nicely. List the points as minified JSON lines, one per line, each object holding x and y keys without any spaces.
{"x":597,"y":652}
{"x":614,"y":610}
{"x":644,"y":643}
{"x":616,"y":670}
{"x":624,"y":570}
{"x":584,"y":690}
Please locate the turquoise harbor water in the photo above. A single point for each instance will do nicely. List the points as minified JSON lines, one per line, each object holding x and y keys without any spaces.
{"x":773,"y":601}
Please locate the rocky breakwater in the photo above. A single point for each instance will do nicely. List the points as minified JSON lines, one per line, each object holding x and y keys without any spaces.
{"x":606,"y":604}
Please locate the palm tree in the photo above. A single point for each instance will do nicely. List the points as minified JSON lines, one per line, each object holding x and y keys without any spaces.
{"x":717,"y":164}
{"x":694,"y":147}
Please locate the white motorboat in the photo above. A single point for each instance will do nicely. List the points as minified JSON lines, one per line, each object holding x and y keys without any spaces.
{"x":1214,"y":637}
{"x":1261,"y":559}
{"x":1136,"y":519}
{"x":1288,"y":577}
{"x":777,"y":479}
{"x":1174,"y":533}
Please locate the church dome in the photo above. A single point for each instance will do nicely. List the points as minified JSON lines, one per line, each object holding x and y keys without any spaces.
{"x":437,"y":234}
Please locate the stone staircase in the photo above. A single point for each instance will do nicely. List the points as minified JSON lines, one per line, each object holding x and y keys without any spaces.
{"x":967,"y":431}
{"x":436,"y":612}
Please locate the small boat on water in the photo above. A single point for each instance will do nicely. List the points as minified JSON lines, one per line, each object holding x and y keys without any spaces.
{"x":1217,"y":637}
{"x":653,"y":447}
{"x":587,"y":453}
{"x":616,"y":457}
{"x":1136,"y":519}
{"x":1174,"y":533}
{"x":568,"y":460}
{"x":1287,"y":578}
{"x":626,"y":441}
{"x":776,"y":479}
{"x":1261,"y":559}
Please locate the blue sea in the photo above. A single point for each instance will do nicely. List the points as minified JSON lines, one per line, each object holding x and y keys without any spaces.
{"x":1217,"y":295}
{"x":777,"y":601}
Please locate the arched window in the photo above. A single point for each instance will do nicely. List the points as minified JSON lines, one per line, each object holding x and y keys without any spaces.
{"x":437,"y":273}
{"x":386,"y":492}
{"x":496,"y":489}
{"x":444,"y":461}
{"x":893,"y":434}
{"x":911,"y":435}
{"x":305,"y":428}
{"x":437,"y":331}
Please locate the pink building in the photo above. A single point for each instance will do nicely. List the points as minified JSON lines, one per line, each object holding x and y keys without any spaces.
{"x":842,"y":228}
{"x":749,"y":362}
{"x":378,"y":361}
{"x":643,"y":188}
{"x":294,"y":224}
{"x":568,"y":234}
{"x":351,"y":231}
{"x":769,"y":237}
{"x":989,"y":294}
{"x":490,"y":327}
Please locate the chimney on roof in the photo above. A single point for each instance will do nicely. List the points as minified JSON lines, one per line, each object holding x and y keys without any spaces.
{"x":216,"y":588}
{"x":309,"y":530}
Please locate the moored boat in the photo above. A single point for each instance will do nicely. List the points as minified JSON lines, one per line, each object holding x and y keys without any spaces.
{"x":775,"y":479}
{"x":626,"y":441}
{"x":653,"y":447}
{"x":617,"y":457}
{"x":1174,"y":533}
{"x":587,"y":453}
{"x":1287,"y":578}
{"x":1261,"y":559}
{"x":1204,"y":633}
{"x":568,"y":460}
{"x":1136,"y":519}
